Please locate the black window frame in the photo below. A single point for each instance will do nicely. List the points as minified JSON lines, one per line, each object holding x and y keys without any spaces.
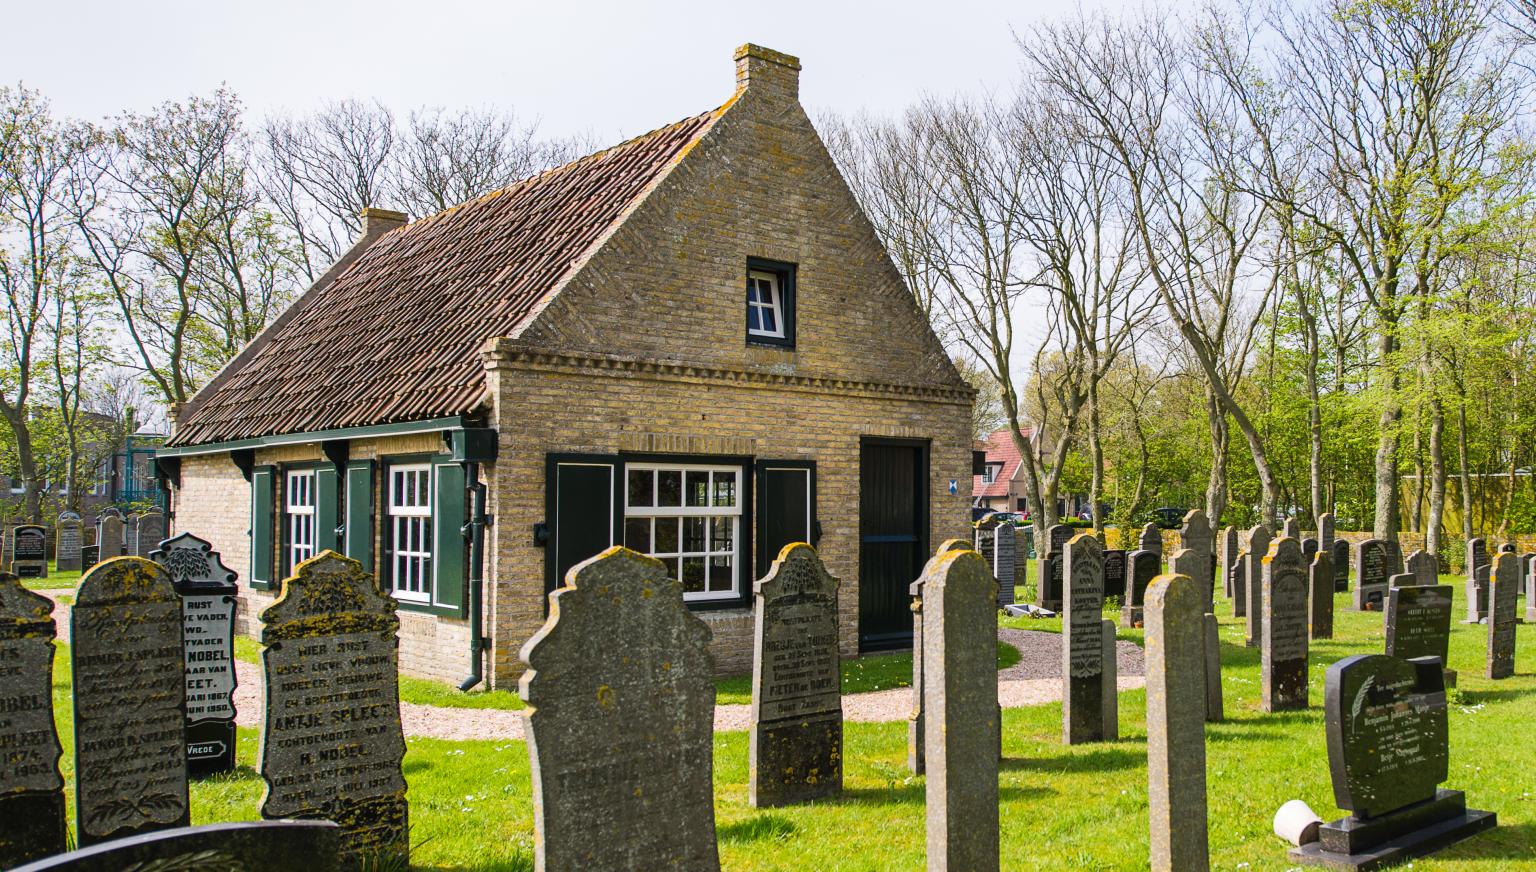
{"x":787,"y":291}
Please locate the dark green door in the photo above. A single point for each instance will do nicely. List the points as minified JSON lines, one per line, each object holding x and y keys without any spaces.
{"x":893,"y":538}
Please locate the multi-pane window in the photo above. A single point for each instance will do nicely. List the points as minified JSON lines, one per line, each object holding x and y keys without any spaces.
{"x":299,"y":506}
{"x":689,"y":518}
{"x":410,"y":531}
{"x":989,"y":475}
{"x":765,"y":305}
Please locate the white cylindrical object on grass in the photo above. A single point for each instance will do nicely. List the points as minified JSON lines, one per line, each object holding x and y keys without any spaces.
{"x":1297,"y":823}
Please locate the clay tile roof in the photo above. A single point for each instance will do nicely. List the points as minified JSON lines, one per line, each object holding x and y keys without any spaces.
{"x":396,"y":337}
{"x":1000,"y":449}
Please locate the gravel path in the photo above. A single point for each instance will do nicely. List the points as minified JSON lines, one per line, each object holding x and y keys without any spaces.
{"x":1034,"y":680}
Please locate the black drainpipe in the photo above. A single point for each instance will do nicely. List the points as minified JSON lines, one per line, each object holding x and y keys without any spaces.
{"x":475,"y":531}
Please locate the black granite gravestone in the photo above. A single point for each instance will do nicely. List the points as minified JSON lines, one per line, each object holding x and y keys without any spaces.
{"x":1388,"y":752}
{"x":29,"y":555}
{"x":207,"y":590}
{"x":1419,"y":624}
{"x":240,"y":847}
{"x":1308,"y":548}
{"x":1114,"y":573}
{"x":1144,"y":566}
{"x":1373,"y":571}
{"x":1340,"y":554}
{"x":31,"y":788}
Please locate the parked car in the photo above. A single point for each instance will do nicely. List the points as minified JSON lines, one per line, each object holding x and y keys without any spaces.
{"x":1168,"y":517}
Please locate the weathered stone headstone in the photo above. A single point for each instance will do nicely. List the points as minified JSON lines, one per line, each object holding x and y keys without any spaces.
{"x":1237,"y":578}
{"x":1477,"y":592}
{"x":1394,"y":552}
{"x":1258,"y":549}
{"x":1214,"y":711}
{"x":1372,"y":575}
{"x":915,"y":728}
{"x":7,"y":545}
{"x":1419,"y":624}
{"x":1504,"y":587}
{"x":1005,"y":564}
{"x":109,"y":535}
{"x":1291,"y":529}
{"x":1388,"y":752}
{"x":130,"y":535}
{"x":1176,"y":706}
{"x":1082,"y":651}
{"x":1530,"y":589}
{"x":1283,"y":654}
{"x":332,"y":746}
{"x":29,"y":557}
{"x":1144,"y":566}
{"x":31,"y":788}
{"x":1340,"y":555}
{"x":1115,"y":573}
{"x":621,"y":748}
{"x":67,"y":545}
{"x":149,"y":532}
{"x":1151,"y":539}
{"x":963,"y":731}
{"x":1320,"y":595}
{"x":1229,"y":552}
{"x":1309,"y":547}
{"x":1325,"y":533}
{"x":796,"y":749}
{"x":130,"y":702}
{"x":1424,"y":568}
{"x":240,"y":847}
{"x":207,"y":590}
{"x":1196,"y":537}
{"x":1110,"y":685}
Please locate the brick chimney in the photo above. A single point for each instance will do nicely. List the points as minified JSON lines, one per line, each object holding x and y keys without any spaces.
{"x":377,"y":222}
{"x":767,"y":72}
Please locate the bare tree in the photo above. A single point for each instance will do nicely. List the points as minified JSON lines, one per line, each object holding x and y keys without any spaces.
{"x":446,"y":158}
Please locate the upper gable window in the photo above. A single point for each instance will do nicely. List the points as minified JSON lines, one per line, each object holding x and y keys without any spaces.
{"x":770,"y":303}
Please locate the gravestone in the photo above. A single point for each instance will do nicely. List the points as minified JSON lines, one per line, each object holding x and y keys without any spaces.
{"x":1340,"y":555}
{"x":1477,"y":595}
{"x":1283,"y":655}
{"x":1115,"y":573}
{"x":1176,"y":707}
{"x":67,"y":546}
{"x":1051,"y":572}
{"x":1507,"y":548}
{"x":1229,"y":552}
{"x":1394,"y":552}
{"x":1530,"y":589}
{"x":1237,"y":578}
{"x":915,"y":727}
{"x":1320,"y":596}
{"x":130,"y":535}
{"x":1082,"y":651}
{"x":1424,"y":568}
{"x":1152,"y":540}
{"x":1477,"y":591}
{"x":606,"y":795}
{"x":332,"y":745}
{"x":1309,"y":547}
{"x":149,"y":532}
{"x":207,"y":590}
{"x":1325,"y":533}
{"x":1291,"y":529}
{"x":1258,"y":549}
{"x":796,"y":750}
{"x":7,"y":544}
{"x":1388,"y":752}
{"x":1109,"y":685}
{"x":29,"y":555}
{"x":1186,"y":562}
{"x":1371,"y":575}
{"x":1214,"y":711}
{"x":1144,"y":566}
{"x":963,"y":730}
{"x":109,"y":535}
{"x":130,"y":702}
{"x":240,"y":847}
{"x":1504,"y":588}
{"x":1005,"y":563}
{"x":31,"y":788}
{"x":1197,"y":538}
{"x":1419,"y":624}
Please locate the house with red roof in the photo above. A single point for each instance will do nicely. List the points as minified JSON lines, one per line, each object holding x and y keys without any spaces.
{"x":1000,"y":486}
{"x":691,"y":344}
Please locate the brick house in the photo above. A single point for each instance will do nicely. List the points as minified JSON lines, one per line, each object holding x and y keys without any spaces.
{"x":691,"y":343}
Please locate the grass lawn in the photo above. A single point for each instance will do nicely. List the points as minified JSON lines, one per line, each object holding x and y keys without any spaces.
{"x":54,"y":581}
{"x":1061,"y":808}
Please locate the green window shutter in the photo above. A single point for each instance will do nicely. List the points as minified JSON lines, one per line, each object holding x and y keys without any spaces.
{"x":583,"y":511}
{"x":448,"y":545}
{"x":263,"y":480}
{"x":786,"y":508}
{"x":359,"y":531}
{"x":327,"y":508}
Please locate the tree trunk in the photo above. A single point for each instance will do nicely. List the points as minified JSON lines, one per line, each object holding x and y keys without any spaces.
{"x":1096,"y":451}
{"x":1466,"y":473}
{"x":1386,"y":523}
{"x":1216,"y":487}
{"x":1416,"y":507}
{"x":1437,"y":477}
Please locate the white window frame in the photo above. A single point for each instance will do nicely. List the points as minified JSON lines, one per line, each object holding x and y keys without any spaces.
{"x":990,"y":473}
{"x":709,"y":513}
{"x":411,"y":571}
{"x":299,"y":501}
{"x":775,"y":306}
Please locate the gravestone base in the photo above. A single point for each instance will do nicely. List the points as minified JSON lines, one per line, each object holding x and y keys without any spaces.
{"x":806,"y":754}
{"x":1131,"y":616}
{"x":1415,"y":831}
{"x":41,"y":831}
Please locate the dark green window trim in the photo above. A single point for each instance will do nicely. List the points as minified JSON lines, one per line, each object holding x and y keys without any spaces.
{"x":386,"y":546}
{"x":399,"y":429}
{"x":359,"y":533}
{"x":263,"y":491}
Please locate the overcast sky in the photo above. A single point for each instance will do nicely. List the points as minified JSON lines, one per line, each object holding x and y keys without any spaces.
{"x":613,"y":69}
